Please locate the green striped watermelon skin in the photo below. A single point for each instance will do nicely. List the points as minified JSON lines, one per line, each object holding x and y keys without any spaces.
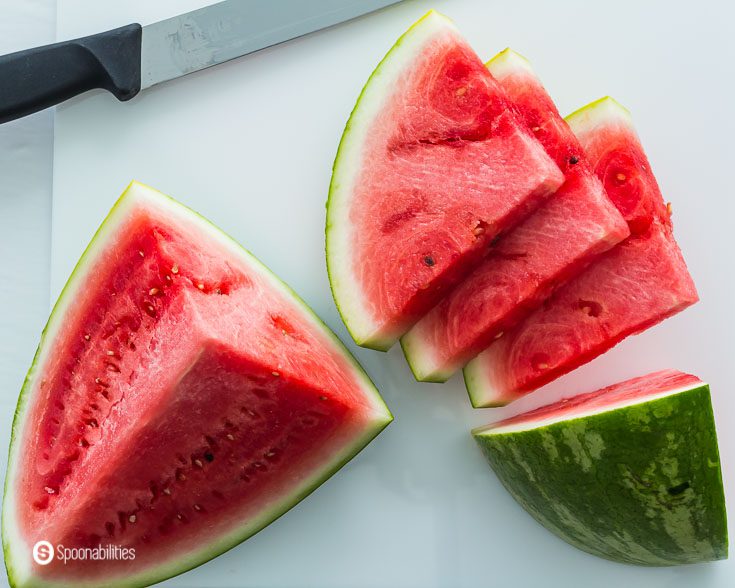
{"x":639,"y":484}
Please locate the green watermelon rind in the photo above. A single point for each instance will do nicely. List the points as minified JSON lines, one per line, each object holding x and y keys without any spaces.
{"x":610,"y":482}
{"x":369,"y":103}
{"x":382,"y":415}
{"x":480,"y":381}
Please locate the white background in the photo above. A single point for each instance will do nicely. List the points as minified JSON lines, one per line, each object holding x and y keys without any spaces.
{"x":250,"y":145}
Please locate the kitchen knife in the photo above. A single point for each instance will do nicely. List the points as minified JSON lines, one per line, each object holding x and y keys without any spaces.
{"x":131,"y":58}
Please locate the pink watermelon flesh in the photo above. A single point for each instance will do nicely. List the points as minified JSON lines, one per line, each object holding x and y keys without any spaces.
{"x":622,"y":393}
{"x":446,"y":167}
{"x":634,"y":286}
{"x":186,"y":396}
{"x":554,"y":244}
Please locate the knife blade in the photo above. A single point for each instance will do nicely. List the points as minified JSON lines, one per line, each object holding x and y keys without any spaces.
{"x":131,"y":58}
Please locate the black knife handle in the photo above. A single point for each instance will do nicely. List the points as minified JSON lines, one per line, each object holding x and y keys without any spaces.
{"x":35,"y":79}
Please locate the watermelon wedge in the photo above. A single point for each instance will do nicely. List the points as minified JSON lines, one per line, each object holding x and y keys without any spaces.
{"x":630,"y":473}
{"x":432,"y":166}
{"x":555,"y":243}
{"x":181,"y":399}
{"x":634,"y":286}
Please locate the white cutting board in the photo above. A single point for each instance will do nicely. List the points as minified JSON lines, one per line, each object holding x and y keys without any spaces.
{"x":250,"y":145}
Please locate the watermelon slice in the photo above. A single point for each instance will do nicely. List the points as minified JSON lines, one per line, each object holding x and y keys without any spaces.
{"x":432,"y":166}
{"x":555,"y":243}
{"x":637,"y":284}
{"x":181,"y":399}
{"x":630,"y":473}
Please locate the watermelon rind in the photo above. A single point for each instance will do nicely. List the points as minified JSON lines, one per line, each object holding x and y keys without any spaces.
{"x":603,"y":109}
{"x":636,"y":482}
{"x":508,"y":61}
{"x":17,"y":553}
{"x":347,"y":296}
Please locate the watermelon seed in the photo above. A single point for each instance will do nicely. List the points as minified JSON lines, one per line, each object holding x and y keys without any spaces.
{"x":132,"y":518}
{"x":461,"y":91}
{"x":175,"y":269}
{"x":209,"y":457}
{"x":141,"y":253}
{"x":573,"y":160}
{"x":168,"y":278}
{"x":150,"y":310}
{"x":111,"y":353}
{"x":197,"y":507}
{"x":230,"y":437}
{"x":198,"y":463}
{"x":498,"y":335}
{"x":83,"y":443}
{"x":153,"y":291}
{"x":180,"y":475}
{"x":620,"y":177}
{"x":49,"y":490}
{"x":200,"y":286}
{"x":590,"y":307}
{"x":87,"y":337}
{"x":535,"y":129}
{"x":322,"y":398}
{"x":428,"y":260}
{"x":166,"y":491}
{"x":112,"y":367}
{"x":276,"y":374}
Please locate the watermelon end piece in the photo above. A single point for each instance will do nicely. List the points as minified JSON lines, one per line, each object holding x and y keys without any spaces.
{"x":644,"y":451}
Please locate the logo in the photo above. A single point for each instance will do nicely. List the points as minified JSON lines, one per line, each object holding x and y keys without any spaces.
{"x":43,"y":553}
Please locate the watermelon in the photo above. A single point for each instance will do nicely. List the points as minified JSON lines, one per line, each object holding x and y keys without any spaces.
{"x":630,"y":473}
{"x":432,"y":166}
{"x":555,"y":243}
{"x":181,"y":399}
{"x":632,"y":287}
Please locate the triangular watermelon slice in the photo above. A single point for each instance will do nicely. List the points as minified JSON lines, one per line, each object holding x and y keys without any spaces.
{"x":554,"y":244}
{"x":181,"y":399}
{"x":432,"y":166}
{"x":637,"y":284}
{"x":630,"y":472}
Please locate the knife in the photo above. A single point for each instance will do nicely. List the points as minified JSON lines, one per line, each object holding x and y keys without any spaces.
{"x":131,"y":58}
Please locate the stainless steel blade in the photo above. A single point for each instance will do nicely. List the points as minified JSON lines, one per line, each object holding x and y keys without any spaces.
{"x":215,"y":34}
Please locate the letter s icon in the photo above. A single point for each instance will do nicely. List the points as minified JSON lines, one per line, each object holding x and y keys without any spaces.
{"x":43,"y":553}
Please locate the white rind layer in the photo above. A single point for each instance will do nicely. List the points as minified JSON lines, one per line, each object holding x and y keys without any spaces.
{"x":17,"y":553}
{"x":508,"y":62}
{"x":356,"y":314}
{"x":606,"y":110}
{"x":579,"y":412}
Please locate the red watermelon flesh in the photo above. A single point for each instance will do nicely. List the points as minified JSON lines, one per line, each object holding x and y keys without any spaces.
{"x":555,"y":243}
{"x":433,"y":165}
{"x":623,"y":393}
{"x":637,"y":284}
{"x":181,"y":400}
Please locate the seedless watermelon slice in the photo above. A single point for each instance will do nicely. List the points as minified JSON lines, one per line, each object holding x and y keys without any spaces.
{"x":554,"y":244}
{"x":630,"y":473}
{"x":634,"y":286}
{"x":181,"y":399}
{"x":431,"y":167}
